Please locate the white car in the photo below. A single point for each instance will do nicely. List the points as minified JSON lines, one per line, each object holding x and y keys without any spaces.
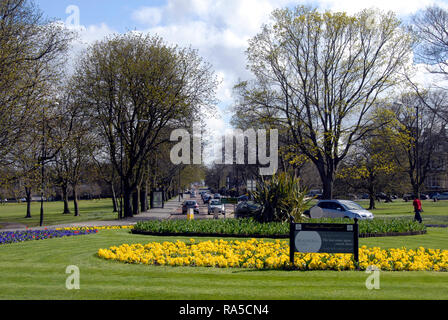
{"x":215,"y":204}
{"x":339,"y":209}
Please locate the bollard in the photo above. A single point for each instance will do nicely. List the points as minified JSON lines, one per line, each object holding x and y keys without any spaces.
{"x":190,"y":214}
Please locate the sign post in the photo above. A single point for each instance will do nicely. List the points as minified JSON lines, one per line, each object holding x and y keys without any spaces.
{"x":157,"y":200}
{"x":324,"y":238}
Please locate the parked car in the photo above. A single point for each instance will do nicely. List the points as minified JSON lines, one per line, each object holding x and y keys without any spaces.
{"x":243,"y":199}
{"x":315,"y":194}
{"x":216,"y":204}
{"x":206,"y":198}
{"x":217,"y":196}
{"x":410,"y":197}
{"x":441,"y":196}
{"x":190,"y":204}
{"x":339,"y":209}
{"x":247,"y":209}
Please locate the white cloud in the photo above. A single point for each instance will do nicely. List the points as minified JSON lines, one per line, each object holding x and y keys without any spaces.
{"x":148,"y":16}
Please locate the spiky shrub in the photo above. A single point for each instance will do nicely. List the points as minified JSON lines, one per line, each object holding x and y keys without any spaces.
{"x":280,"y":197}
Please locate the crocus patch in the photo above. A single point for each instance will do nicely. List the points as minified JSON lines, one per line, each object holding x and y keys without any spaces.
{"x":29,"y":235}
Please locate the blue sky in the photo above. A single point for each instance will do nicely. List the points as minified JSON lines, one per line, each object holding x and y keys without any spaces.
{"x":115,"y":13}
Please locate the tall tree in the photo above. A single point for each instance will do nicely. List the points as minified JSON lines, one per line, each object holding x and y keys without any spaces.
{"x":423,"y":131}
{"x":372,"y":165}
{"x":321,"y":74}
{"x":431,"y":25}
{"x":31,"y":58}
{"x":133,"y":86}
{"x":75,"y":140}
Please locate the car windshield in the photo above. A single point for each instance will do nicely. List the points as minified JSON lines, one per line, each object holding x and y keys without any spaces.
{"x":190,"y":203}
{"x":216,"y":203}
{"x":350,"y":205}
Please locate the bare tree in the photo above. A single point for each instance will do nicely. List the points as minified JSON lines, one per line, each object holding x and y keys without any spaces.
{"x":423,"y":133}
{"x":31,"y":58}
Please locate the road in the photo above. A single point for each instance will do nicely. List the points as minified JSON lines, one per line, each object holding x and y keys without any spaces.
{"x":203,"y":209}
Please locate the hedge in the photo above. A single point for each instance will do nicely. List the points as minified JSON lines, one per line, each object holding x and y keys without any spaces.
{"x":249,"y":228}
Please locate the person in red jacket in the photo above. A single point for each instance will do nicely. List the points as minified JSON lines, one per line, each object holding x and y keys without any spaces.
{"x":417,"y":209}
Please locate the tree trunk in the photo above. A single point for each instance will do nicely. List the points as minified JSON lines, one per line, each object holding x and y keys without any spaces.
{"x":371,"y":202}
{"x":28,"y":202}
{"x":114,"y":198}
{"x":136,"y":202}
{"x":371,"y":194}
{"x":65,"y":198}
{"x":75,"y":200}
{"x":327,"y":183}
{"x":416,"y":189}
{"x":144,"y":199}
{"x":127,"y":206}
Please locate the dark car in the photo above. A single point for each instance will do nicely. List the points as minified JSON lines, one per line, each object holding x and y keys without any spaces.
{"x":247,"y":209}
{"x":440,"y":196}
{"x":206,"y":198}
{"x":410,"y":197}
{"x":190,"y":204}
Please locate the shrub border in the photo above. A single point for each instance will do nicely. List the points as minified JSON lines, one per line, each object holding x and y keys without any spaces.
{"x":224,"y":235}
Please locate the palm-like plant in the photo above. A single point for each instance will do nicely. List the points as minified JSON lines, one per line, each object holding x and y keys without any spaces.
{"x":281,"y":197}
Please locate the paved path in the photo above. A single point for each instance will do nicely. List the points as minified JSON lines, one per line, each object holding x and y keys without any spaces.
{"x":172,"y":210}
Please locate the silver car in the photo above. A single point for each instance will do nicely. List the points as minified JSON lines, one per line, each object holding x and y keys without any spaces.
{"x":216,"y":204}
{"x":339,"y":209}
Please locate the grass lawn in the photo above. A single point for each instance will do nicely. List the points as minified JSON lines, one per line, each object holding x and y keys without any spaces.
{"x":434,"y":212}
{"x":36,"y":270}
{"x":14,"y":213}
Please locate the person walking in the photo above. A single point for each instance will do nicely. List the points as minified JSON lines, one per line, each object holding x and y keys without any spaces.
{"x":417,"y":209}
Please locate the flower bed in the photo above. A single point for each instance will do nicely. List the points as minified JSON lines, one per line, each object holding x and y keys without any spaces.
{"x":249,"y":228}
{"x":96,"y":228}
{"x":29,"y":235}
{"x":272,"y":255}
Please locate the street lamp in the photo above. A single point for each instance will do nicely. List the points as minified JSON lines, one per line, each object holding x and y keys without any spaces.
{"x":417,"y":153}
{"x":42,"y":159}
{"x":122,"y":123}
{"x":180,"y":188}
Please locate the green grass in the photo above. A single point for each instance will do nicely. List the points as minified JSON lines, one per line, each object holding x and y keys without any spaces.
{"x":36,"y":270}
{"x":14,"y":213}
{"x":402,"y":208}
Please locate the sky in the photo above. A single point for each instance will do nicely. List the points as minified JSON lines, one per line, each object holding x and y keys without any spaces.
{"x":218,"y":29}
